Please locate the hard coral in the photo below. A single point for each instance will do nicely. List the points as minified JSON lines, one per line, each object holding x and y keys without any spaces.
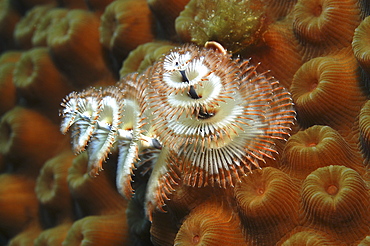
{"x":47,"y":23}
{"x":359,"y":44}
{"x":210,"y":223}
{"x":334,"y":200}
{"x":364,"y":118}
{"x":265,"y":213}
{"x":28,"y":139}
{"x":306,"y":46}
{"x":98,"y":230}
{"x":26,"y":27}
{"x":144,"y":56}
{"x":34,"y":76}
{"x":309,"y":237}
{"x":125,"y":24}
{"x":9,"y":18}
{"x":319,"y":146}
{"x":53,"y":236}
{"x":326,"y":91}
{"x":322,"y":26}
{"x":77,"y":36}
{"x":7,"y":87}
{"x":277,"y":52}
{"x":93,"y":196}
{"x":51,"y":185}
{"x":17,"y":211}
{"x":166,"y":12}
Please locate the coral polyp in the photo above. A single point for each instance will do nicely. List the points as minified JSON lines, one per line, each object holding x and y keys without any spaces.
{"x":215,"y":112}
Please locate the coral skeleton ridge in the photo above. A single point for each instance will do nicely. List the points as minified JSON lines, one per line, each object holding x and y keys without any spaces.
{"x":214,"y":114}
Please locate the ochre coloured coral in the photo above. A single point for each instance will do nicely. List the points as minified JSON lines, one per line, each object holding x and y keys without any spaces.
{"x":28,"y":139}
{"x":53,"y":236}
{"x":7,"y":65}
{"x":34,"y":76}
{"x":266,"y":214}
{"x":315,"y":147}
{"x":166,"y":12}
{"x":144,"y":56}
{"x":335,"y":200}
{"x":279,"y":9}
{"x":364,"y":121}
{"x":9,"y":17}
{"x":184,"y":198}
{"x":125,"y":24}
{"x":211,"y":223}
{"x":325,"y":92}
{"x":309,"y":237}
{"x":93,"y":196}
{"x":323,"y":26}
{"x":26,"y":27}
{"x":7,"y":87}
{"x":98,"y":6}
{"x":17,"y":211}
{"x":365,"y":241}
{"x":10,"y":57}
{"x":234,"y":24}
{"x":277,"y":52}
{"x":47,"y":23}
{"x":360,"y":42}
{"x":75,"y":48}
{"x":103,"y":230}
{"x":27,"y":236}
{"x":51,"y":185}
